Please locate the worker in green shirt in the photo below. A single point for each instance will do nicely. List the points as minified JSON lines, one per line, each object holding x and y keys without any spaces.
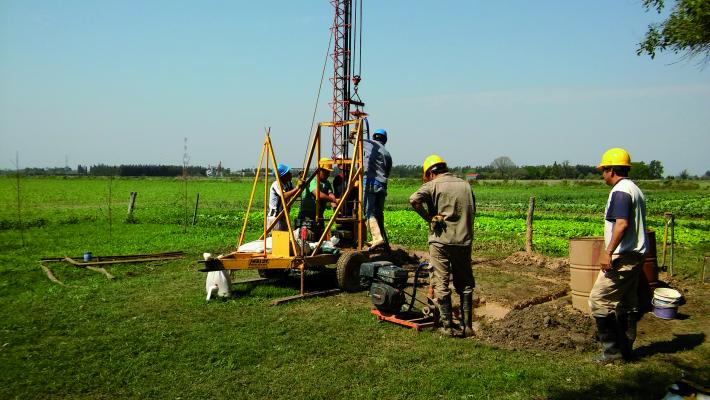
{"x":323,"y":190}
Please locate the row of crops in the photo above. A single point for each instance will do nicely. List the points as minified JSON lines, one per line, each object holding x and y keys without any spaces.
{"x":562,"y":209}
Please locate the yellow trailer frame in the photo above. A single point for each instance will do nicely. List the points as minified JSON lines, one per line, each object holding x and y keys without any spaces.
{"x":285,"y":252}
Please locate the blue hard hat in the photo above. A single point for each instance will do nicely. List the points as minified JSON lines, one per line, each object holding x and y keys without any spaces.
{"x":381,"y":132}
{"x":283,"y":169}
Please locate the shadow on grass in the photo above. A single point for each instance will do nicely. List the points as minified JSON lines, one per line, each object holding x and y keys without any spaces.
{"x":287,"y":285}
{"x":632,"y":384}
{"x":638,"y":383}
{"x":678,"y":343}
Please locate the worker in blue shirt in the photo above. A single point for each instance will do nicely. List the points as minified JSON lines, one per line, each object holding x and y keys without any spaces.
{"x":377,"y":165}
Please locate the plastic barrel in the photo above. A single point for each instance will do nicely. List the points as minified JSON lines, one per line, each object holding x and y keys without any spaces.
{"x":584,"y":267}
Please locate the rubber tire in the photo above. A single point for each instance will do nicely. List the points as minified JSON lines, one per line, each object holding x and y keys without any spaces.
{"x":273,"y":273}
{"x":348,"y":270}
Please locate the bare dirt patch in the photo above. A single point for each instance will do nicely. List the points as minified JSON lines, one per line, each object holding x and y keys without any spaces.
{"x":535,"y":290}
{"x":542,"y":318}
{"x":552,"y":326}
{"x":522,"y":302}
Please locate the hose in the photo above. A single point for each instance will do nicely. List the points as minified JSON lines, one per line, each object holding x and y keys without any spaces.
{"x":414,"y":288}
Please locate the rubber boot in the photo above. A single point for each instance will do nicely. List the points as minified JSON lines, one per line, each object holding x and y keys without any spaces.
{"x":383,"y":233}
{"x":626,"y":332}
{"x":377,"y":240}
{"x":607,"y":333}
{"x":467,"y":314}
{"x":447,"y":329}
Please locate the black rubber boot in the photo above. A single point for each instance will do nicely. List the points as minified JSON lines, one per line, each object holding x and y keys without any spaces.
{"x":447,"y":328}
{"x":381,"y":222}
{"x":626,"y":333}
{"x":467,"y":314}
{"x":607,"y":333}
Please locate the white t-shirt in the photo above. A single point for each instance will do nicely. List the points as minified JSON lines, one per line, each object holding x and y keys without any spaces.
{"x":275,"y":197}
{"x":626,"y":201}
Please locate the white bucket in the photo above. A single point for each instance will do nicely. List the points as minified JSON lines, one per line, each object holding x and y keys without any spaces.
{"x":666,"y":296}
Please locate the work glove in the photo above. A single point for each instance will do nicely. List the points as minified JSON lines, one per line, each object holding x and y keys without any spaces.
{"x":437,"y":223}
{"x":300,"y":183}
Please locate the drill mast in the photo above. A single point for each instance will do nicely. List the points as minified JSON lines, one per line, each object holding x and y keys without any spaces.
{"x":345,"y":30}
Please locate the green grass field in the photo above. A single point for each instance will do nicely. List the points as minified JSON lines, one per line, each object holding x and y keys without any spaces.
{"x":150,"y":333}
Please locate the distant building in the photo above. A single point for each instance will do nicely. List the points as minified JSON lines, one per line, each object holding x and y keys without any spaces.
{"x":215,"y":172}
{"x":472,"y":176}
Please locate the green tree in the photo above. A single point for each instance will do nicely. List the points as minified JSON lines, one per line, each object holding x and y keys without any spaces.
{"x":639,"y":170}
{"x":686,"y":30}
{"x":505,"y":166}
{"x":655,"y":169}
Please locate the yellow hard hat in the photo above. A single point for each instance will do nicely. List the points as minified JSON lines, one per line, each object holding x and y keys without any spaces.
{"x":431,"y":161}
{"x":326,"y":163}
{"x":616,"y":157}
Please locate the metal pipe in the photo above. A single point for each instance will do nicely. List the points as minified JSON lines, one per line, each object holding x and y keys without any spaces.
{"x":251,"y":197}
{"x":287,"y":215}
{"x":266,"y":184}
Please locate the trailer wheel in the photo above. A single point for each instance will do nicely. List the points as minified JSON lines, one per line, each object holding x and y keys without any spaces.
{"x":348,"y":270}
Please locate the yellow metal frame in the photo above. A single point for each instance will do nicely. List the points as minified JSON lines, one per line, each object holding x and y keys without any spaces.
{"x":285,"y":252}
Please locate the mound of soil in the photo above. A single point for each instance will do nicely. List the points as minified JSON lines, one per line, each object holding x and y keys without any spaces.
{"x":552,"y":326}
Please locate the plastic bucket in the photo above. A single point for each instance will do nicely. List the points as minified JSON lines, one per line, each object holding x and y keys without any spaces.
{"x":583,"y":268}
{"x":666,"y":296}
{"x":665,"y":312}
{"x":87,"y":256}
{"x":663,"y":303}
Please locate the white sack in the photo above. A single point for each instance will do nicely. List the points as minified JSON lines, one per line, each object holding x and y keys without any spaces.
{"x":256,"y":246}
{"x":218,"y":282}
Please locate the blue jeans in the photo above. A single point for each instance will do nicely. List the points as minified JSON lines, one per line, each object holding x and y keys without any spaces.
{"x":374,"y":204}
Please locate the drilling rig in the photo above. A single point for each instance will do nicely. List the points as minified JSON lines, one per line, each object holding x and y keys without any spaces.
{"x":288,"y":249}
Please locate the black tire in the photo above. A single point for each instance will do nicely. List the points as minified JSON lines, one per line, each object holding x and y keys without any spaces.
{"x":348,"y":270}
{"x":273,"y":273}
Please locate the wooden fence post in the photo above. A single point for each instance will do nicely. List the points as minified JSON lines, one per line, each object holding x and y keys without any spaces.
{"x":666,"y":216}
{"x":132,"y":202}
{"x":671,"y":271}
{"x":529,"y":226}
{"x":194,"y":215}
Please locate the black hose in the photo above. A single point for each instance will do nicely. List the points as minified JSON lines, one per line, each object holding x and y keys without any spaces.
{"x":414,"y":288}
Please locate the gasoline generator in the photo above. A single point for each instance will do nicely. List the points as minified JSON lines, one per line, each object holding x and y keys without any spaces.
{"x":386,"y":283}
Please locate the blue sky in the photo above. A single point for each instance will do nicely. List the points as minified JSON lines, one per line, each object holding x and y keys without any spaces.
{"x":124,"y":82}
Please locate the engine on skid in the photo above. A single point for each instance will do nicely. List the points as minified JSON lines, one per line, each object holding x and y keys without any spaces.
{"x":386,"y":283}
